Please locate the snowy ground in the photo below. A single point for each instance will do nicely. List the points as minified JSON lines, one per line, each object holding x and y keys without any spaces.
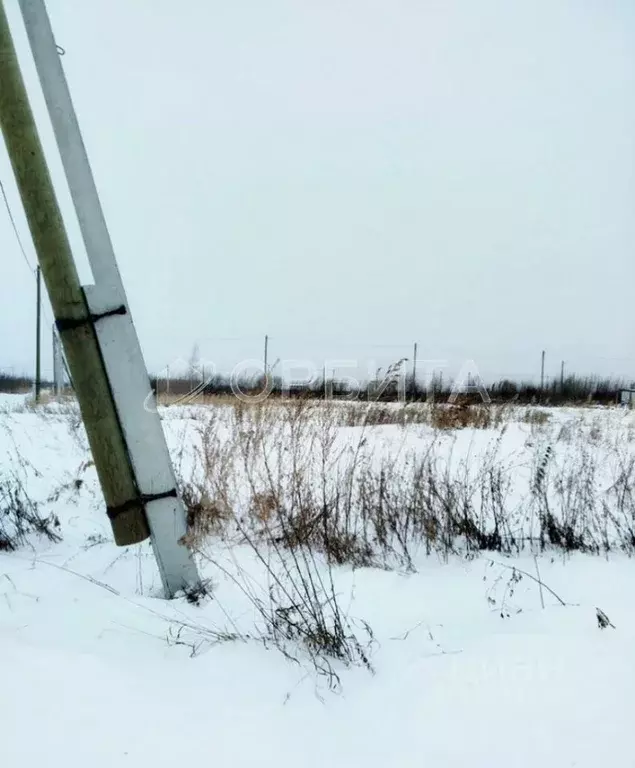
{"x":469,"y":667}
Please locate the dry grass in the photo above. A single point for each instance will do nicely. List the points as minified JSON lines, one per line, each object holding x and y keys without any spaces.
{"x":464,"y":416}
{"x":20,"y":516}
{"x":536,"y":417}
{"x":168,"y":400}
{"x":286,"y":474}
{"x":440,"y":416}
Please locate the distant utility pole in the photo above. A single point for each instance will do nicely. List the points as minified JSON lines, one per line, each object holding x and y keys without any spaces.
{"x":542,"y":372}
{"x":100,"y":342}
{"x":414,"y":371}
{"x":266,"y":357}
{"x":562,"y":378}
{"x":58,"y":362}
{"x":38,"y":334}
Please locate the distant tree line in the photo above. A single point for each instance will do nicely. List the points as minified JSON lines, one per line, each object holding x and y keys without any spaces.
{"x":18,"y":384}
{"x":572,"y":389}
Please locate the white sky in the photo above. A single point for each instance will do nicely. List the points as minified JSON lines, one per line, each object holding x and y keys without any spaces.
{"x":349,"y":173}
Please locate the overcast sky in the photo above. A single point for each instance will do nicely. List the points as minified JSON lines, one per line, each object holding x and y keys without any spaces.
{"x":349,"y":176}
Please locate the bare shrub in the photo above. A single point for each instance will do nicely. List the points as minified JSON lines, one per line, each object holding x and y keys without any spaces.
{"x":254,"y":485}
{"x":205,"y":516}
{"x":576,"y":509}
{"x":20,"y":518}
{"x":619,"y":506}
{"x":298,"y":611}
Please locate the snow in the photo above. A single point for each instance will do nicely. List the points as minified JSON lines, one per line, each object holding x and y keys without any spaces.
{"x":97,"y":670}
{"x":10,"y":402}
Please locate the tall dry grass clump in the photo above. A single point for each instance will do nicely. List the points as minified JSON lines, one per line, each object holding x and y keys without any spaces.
{"x":287,"y":474}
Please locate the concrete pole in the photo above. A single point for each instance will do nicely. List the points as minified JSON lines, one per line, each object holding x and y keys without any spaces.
{"x":38,"y":333}
{"x":67,"y":298}
{"x":122,"y":359}
{"x":71,"y":145}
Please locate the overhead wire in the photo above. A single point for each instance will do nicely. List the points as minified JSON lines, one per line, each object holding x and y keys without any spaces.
{"x":15,"y":228}
{"x":22,"y":249}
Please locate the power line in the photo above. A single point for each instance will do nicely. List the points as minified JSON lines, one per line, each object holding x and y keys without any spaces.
{"x":13,"y":224}
{"x":47,"y":314}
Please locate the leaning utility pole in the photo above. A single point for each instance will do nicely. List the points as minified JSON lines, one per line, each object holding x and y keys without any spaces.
{"x":38,"y":333}
{"x":99,"y":339}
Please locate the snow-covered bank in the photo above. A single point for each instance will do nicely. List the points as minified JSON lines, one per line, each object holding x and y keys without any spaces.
{"x":90,"y":676}
{"x":469,"y":667}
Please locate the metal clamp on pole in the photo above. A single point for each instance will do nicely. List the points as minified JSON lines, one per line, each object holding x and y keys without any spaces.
{"x":67,"y":323}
